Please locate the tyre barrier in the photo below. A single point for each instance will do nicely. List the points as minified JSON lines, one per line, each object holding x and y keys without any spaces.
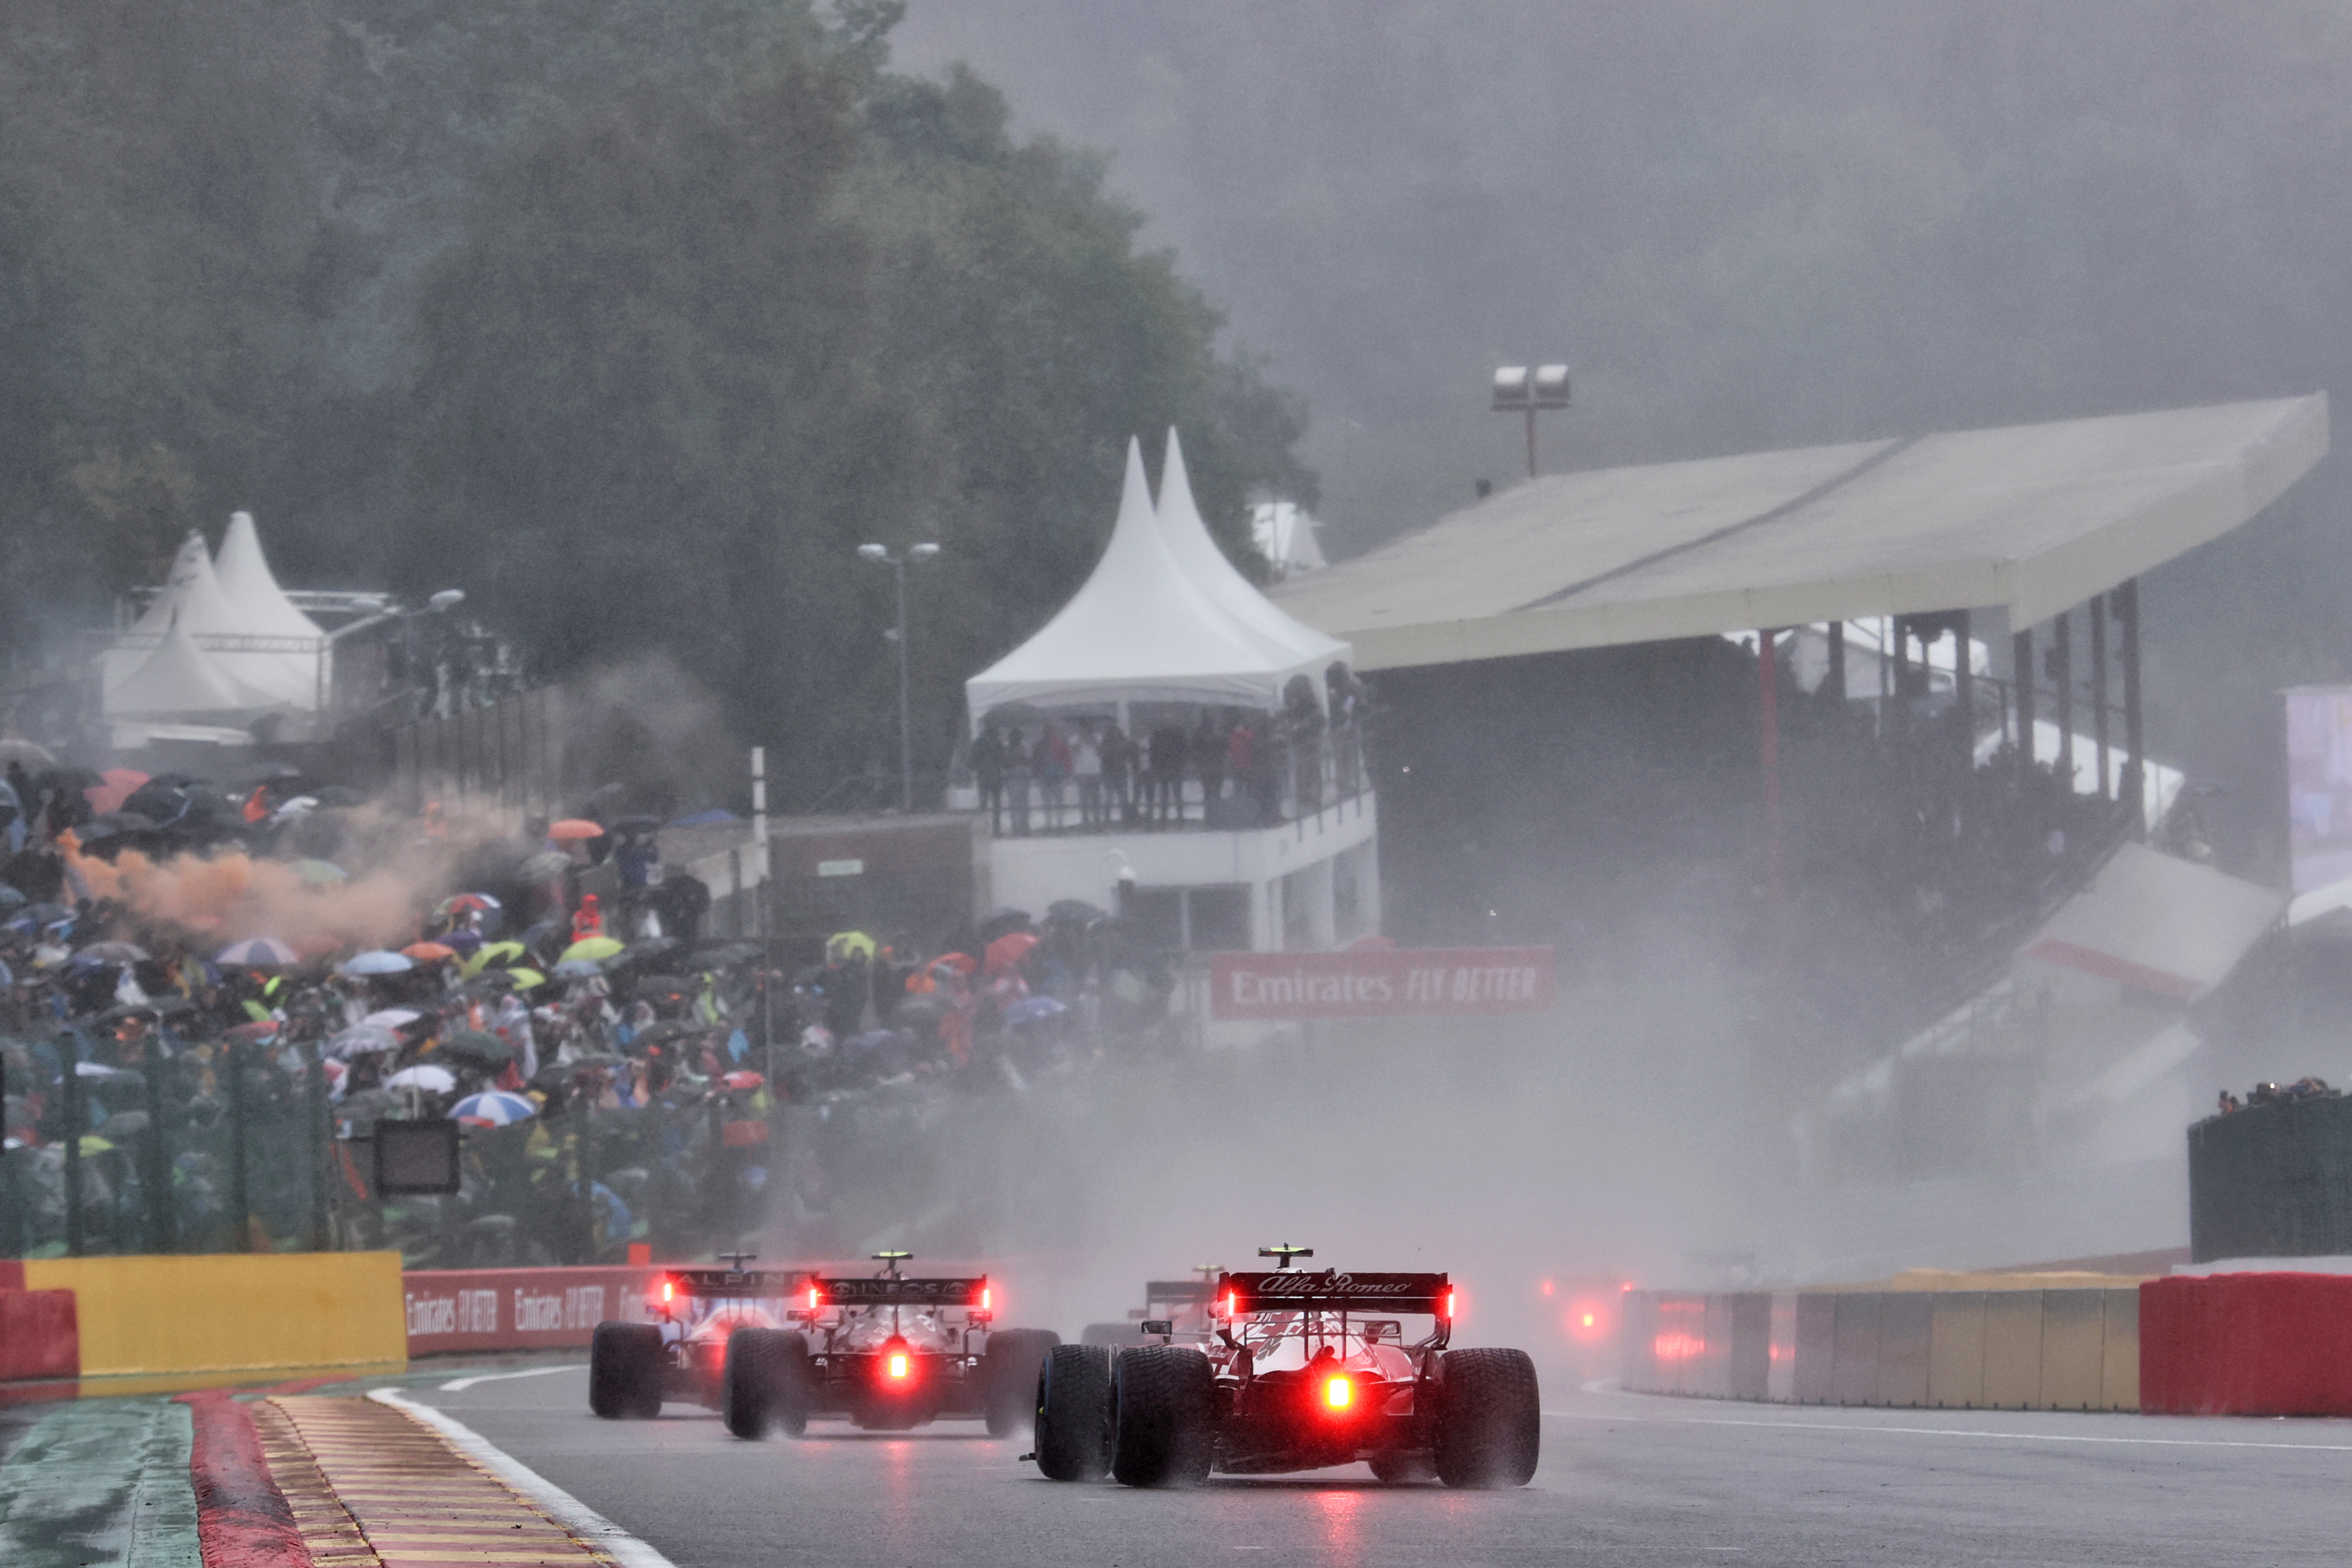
{"x":1969,"y":1350}
{"x":453,"y":1311}
{"x":2247,"y":1344}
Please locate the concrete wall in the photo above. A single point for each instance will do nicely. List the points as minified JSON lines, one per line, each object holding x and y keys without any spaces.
{"x":1971,"y":1350}
{"x":231,"y":1312}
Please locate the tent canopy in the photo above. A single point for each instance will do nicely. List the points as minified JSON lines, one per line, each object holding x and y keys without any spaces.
{"x":1186,"y":533}
{"x":2032,"y":518}
{"x":257,"y":606}
{"x":181,"y":680}
{"x":1141,"y":629}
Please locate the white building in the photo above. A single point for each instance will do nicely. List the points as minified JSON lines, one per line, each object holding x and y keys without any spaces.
{"x":1282,"y":854}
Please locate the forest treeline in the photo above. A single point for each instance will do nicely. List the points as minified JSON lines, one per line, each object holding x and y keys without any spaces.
{"x":632,"y":318}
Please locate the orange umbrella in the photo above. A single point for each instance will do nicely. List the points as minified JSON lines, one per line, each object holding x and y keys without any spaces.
{"x":1009,"y":950}
{"x":573,"y":828}
{"x":428,"y":952}
{"x":115,"y":785}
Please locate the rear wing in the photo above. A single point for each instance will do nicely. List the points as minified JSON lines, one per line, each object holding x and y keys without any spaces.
{"x":738,"y":1284}
{"x":889,"y":1292}
{"x":1179,"y":1293}
{"x":1296,"y":1290}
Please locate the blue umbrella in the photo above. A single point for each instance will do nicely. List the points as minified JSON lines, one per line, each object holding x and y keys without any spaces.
{"x":377,"y":963}
{"x":577,"y":969}
{"x":494,"y":1108}
{"x":257,"y":953}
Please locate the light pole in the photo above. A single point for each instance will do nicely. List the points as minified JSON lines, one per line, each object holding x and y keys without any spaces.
{"x":880,"y":553}
{"x":1518,"y":391}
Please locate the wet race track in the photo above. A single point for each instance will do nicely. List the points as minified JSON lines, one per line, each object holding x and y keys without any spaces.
{"x":1625,"y":1480}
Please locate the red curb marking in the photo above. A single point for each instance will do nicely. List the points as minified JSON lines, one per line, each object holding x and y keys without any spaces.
{"x":242,"y":1519}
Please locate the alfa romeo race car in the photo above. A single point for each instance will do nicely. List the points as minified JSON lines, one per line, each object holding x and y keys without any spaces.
{"x":634,"y":1367}
{"x":1299,"y":1371}
{"x":889,"y":1352}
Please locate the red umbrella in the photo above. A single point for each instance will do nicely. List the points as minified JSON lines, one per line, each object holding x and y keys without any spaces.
{"x":743,"y":1081}
{"x":960,"y":962}
{"x":573,"y":828}
{"x":115,"y":785}
{"x":1009,"y":950}
{"x":428,"y":952}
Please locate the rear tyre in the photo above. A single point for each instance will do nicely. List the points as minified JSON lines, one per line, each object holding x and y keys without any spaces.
{"x":1490,"y":1420}
{"x":1160,"y":1397}
{"x":1009,"y":1372}
{"x":625,"y":1372}
{"x":1402,"y":1469}
{"x":760,"y":1382}
{"x":1074,"y":1414}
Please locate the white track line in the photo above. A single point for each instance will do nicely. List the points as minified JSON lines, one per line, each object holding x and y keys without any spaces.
{"x":456,"y":1385}
{"x":552,"y":1499}
{"x":1860,"y":1430}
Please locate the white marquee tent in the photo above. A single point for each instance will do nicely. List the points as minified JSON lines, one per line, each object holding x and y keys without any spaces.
{"x":1143,"y":629}
{"x":1187,"y":534}
{"x":217,"y":631}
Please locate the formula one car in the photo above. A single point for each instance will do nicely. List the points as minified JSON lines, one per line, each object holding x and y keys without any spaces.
{"x":889,"y":1352}
{"x":634,"y":1367}
{"x":1182,"y":1304}
{"x":1300,"y":1371}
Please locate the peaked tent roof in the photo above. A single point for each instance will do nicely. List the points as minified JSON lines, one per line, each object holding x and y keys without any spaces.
{"x":1139,"y":629}
{"x":260,"y":606}
{"x":192,"y":598}
{"x":181,"y":680}
{"x":1186,"y":533}
{"x":194,"y":602}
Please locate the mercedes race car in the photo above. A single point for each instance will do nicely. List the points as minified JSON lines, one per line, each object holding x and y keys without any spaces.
{"x":634,"y":1367}
{"x":1299,"y":1371}
{"x":1183,"y":1305}
{"x":889,"y":1352}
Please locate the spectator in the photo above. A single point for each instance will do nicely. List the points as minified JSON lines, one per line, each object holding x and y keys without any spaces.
{"x":988,"y":771}
{"x":1241,"y":754}
{"x":1209,"y":761}
{"x":1016,"y":780}
{"x":1166,"y":797}
{"x":1051,"y":763}
{"x":1118,"y":773}
{"x":1086,"y":767}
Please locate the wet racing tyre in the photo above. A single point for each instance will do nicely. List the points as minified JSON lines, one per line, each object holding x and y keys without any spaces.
{"x":1159,"y":1414}
{"x":624,"y":1371}
{"x":762,"y":1382}
{"x":1490,"y":1420}
{"x":1074,"y":1414}
{"x":1009,"y":1371}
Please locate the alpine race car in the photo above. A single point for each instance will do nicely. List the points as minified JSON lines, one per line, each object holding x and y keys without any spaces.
{"x":1182,"y":1304}
{"x":889,"y":1352}
{"x":1299,"y":1371}
{"x":634,"y":1367}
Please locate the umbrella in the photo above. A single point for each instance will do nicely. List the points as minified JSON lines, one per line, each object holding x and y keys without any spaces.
{"x":300,"y":806}
{"x":850,"y":944}
{"x":650,"y":947}
{"x":1009,"y":950}
{"x":493,"y":1107}
{"x":545,"y":865}
{"x":1073,"y":912}
{"x":999,"y":921}
{"x":98,"y":1069}
{"x":743,"y":1080}
{"x":465,"y":904}
{"x":476,"y":1046}
{"x":113,"y":788}
{"x":428,"y":952}
{"x":9,"y":897}
{"x":113,"y":825}
{"x":336,"y":795}
{"x":578,"y":969}
{"x":524,"y":979}
{"x":571,"y":828}
{"x":960,"y":962}
{"x":92,"y":1144}
{"x":363,"y":964}
{"x":425,"y":1076}
{"x":255,"y":1033}
{"x":124,"y":1123}
{"x":597,"y":948}
{"x":112,"y":952}
{"x":391,"y":1017}
{"x":15,"y":750}
{"x":925,"y":1008}
{"x":257,"y":953}
{"x":492,"y":952}
{"x":363,"y":1040}
{"x":1034,"y":1008}
{"x":321,"y":873}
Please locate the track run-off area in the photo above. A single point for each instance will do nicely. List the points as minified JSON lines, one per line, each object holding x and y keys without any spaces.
{"x":1625,"y":1480}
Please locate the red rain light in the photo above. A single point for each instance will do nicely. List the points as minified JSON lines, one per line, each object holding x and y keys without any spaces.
{"x":669,"y":1292}
{"x":1339,"y":1393}
{"x":1227,"y":1310}
{"x":1588,"y":1319}
{"x":985,"y":1292}
{"x":1546,"y":1287}
{"x":898,"y":1364}
{"x":1449,"y":1301}
{"x":812,"y":1299}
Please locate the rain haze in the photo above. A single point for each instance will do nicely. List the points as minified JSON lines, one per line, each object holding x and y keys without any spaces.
{"x":1688,"y":662}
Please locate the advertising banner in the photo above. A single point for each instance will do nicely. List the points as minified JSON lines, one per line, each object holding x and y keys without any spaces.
{"x":1389,"y":983}
{"x":519,"y":1309}
{"x":2319,"y":785}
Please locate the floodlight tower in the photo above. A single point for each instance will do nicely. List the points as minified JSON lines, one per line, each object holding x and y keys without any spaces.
{"x":1518,"y":390}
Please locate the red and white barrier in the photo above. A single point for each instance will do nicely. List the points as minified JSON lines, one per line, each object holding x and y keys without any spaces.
{"x":458,"y":1309}
{"x":2246,"y":1344}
